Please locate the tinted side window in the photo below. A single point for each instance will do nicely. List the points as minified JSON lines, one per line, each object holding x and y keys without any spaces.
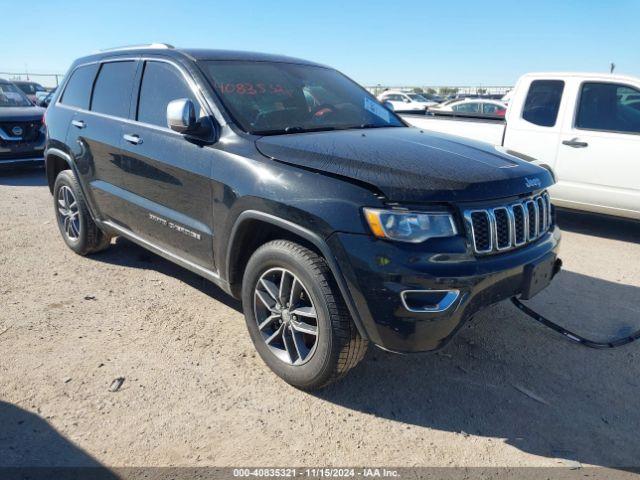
{"x":609,"y":107}
{"x":471,"y":107}
{"x":543,"y":102}
{"x":161,"y":83}
{"x":78,"y":90}
{"x":490,"y":108}
{"x":112,"y":91}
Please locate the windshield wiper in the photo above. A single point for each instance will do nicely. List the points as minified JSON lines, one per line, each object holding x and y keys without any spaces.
{"x":375,"y":125}
{"x":296,"y":129}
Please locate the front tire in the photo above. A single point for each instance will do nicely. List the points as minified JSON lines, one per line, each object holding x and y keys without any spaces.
{"x":76,"y":226}
{"x":296,"y":316}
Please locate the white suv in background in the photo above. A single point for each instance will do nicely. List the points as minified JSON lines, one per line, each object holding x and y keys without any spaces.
{"x":405,"y":101}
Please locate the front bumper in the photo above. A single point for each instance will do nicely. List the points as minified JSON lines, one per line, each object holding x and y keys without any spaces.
{"x":17,"y":154}
{"x":377,"y":272}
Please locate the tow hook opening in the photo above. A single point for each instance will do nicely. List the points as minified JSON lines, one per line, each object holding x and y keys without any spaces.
{"x":557,"y":266}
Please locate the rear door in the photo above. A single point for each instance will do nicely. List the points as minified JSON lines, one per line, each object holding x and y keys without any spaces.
{"x":95,"y":135}
{"x":168,"y":176}
{"x":598,"y":165}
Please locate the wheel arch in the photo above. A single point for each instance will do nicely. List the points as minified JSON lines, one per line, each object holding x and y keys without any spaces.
{"x":55,"y":161}
{"x":245,"y":238}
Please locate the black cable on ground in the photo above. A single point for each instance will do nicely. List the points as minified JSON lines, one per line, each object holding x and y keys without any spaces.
{"x":574,"y":337}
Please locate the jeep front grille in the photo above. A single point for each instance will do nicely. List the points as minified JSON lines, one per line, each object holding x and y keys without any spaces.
{"x":505,"y":227}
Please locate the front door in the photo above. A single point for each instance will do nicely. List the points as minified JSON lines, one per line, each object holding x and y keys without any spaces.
{"x":168,"y":177}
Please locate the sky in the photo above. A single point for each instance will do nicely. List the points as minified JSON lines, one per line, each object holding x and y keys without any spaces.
{"x":417,"y":43}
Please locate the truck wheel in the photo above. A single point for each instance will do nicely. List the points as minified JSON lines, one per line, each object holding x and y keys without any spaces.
{"x":296,"y":316}
{"x":77,"y":228}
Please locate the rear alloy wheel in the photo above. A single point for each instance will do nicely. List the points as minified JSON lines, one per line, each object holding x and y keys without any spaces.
{"x":68,"y":213}
{"x":76,"y":226}
{"x":296,"y":316}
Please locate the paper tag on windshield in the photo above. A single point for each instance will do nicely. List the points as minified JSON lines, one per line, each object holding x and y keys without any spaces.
{"x":377,"y":109}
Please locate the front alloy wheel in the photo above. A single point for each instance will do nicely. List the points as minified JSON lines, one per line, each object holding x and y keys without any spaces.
{"x":296,"y":316}
{"x":286,"y":316}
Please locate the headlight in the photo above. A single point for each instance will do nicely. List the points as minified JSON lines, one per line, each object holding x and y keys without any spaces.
{"x":413,"y":227}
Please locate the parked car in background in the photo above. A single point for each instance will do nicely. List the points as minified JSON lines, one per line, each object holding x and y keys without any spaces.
{"x":405,"y":102}
{"x":585,"y":127}
{"x":22,"y":133}
{"x":45,"y":100}
{"x":335,"y":223}
{"x":432,"y":97}
{"x":30,"y":89}
{"x":471,"y":106}
{"x":42,"y":95}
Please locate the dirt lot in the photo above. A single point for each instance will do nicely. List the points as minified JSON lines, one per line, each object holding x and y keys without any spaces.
{"x":505,"y":392}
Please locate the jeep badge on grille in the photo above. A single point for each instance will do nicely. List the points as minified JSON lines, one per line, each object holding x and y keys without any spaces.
{"x":532,"y":182}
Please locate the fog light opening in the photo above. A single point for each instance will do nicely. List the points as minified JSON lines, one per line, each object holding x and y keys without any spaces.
{"x":420,"y":301}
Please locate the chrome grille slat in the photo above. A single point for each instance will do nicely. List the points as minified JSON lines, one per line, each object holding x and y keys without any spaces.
{"x":532,"y":215}
{"x":502,"y":228}
{"x":542,"y":215}
{"x":505,"y":227}
{"x":520,"y":224}
{"x":547,"y":201}
{"x":482,"y":240}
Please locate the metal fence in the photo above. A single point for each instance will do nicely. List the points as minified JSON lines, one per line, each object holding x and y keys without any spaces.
{"x":49,"y":80}
{"x":444,"y":89}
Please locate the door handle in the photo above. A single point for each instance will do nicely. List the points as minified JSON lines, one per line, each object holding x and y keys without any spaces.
{"x":135,"y":139}
{"x":78,"y":123}
{"x":575,"y":143}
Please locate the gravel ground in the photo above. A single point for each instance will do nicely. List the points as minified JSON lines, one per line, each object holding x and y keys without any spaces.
{"x":505,"y":392}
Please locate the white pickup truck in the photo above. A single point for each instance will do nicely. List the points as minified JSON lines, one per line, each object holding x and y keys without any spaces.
{"x":584,"y":127}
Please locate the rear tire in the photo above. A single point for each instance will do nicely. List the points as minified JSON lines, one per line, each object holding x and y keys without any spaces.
{"x":299,"y":357}
{"x":76,"y":226}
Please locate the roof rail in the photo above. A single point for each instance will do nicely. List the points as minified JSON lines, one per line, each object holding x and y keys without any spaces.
{"x":144,"y":45}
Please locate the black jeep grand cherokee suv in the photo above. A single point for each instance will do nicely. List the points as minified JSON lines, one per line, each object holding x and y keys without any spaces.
{"x":292,"y":188}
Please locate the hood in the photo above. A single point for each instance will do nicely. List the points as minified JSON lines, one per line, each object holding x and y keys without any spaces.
{"x":409,"y":165}
{"x":21,"y":114}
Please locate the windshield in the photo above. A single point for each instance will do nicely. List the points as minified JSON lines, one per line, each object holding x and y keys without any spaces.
{"x":416,"y":97}
{"x":274,"y":98}
{"x":12,"y":96}
{"x":30,"y":88}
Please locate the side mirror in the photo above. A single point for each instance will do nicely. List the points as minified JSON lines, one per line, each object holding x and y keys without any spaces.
{"x":181,"y":116}
{"x":406,"y":100}
{"x":388,"y":105}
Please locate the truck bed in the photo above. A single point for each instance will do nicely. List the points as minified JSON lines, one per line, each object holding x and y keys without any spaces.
{"x":489,"y":130}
